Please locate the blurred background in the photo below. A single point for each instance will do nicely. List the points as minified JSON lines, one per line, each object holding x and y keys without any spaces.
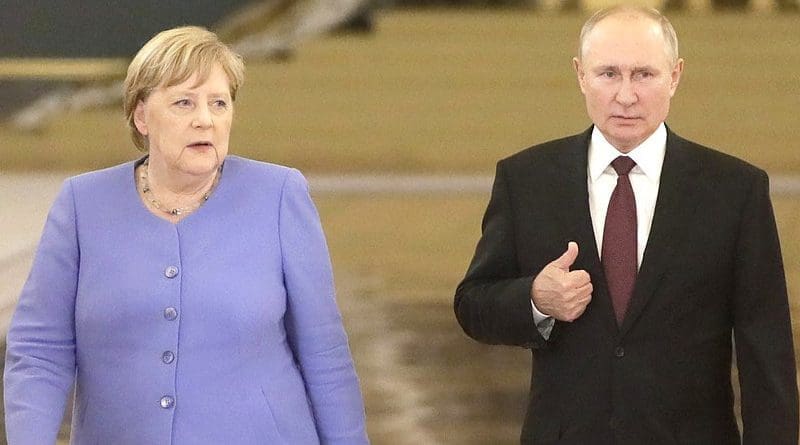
{"x":396,"y":111}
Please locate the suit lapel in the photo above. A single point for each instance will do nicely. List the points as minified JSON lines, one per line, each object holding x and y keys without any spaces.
{"x":674,"y":207}
{"x":574,"y":216}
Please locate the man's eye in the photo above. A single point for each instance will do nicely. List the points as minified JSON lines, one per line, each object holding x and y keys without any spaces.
{"x":220,"y":104}
{"x":183,"y":103}
{"x":608,"y":74}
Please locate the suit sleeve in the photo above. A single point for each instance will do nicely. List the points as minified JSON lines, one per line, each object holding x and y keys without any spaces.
{"x":762,"y":327}
{"x":40,"y":346}
{"x":313,"y":323}
{"x":493,"y":302}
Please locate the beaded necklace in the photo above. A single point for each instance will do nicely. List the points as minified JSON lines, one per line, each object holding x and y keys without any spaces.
{"x":150,"y":196}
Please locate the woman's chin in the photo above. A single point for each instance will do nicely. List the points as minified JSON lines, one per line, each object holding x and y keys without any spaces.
{"x":201,"y":160}
{"x":200,"y":167}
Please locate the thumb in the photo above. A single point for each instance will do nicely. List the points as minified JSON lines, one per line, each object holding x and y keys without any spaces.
{"x":565,"y":261}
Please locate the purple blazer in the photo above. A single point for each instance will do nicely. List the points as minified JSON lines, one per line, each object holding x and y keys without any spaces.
{"x":221,"y":329}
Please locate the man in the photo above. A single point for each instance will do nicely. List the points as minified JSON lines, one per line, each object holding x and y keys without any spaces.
{"x":628,"y":260}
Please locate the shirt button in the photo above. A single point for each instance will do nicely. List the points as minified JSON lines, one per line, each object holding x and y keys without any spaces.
{"x":171,"y":272}
{"x":167,"y":402}
{"x":167,"y":357}
{"x":619,"y":351}
{"x":170,"y":313}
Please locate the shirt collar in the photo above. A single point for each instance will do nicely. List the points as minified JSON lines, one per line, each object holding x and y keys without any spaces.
{"x":649,"y":155}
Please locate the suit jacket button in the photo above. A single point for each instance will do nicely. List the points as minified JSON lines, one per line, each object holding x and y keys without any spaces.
{"x":619,"y":352}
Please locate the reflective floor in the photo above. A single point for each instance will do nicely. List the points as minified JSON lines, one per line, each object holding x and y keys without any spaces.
{"x":425,"y":382}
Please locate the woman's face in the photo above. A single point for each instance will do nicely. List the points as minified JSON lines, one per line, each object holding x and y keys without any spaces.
{"x":188,"y":125}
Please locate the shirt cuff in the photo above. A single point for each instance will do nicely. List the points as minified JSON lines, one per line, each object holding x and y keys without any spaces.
{"x":544,"y":323}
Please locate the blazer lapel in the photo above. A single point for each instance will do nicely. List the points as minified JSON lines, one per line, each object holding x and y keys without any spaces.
{"x":574,"y":216}
{"x":675,"y":205}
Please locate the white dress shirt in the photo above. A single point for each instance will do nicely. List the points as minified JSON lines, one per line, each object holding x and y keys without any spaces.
{"x":602,"y":179}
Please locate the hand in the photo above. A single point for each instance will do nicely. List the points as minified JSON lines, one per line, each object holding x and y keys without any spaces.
{"x":559,"y":292}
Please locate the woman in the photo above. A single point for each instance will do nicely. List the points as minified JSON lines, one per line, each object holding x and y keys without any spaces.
{"x":189,"y":294}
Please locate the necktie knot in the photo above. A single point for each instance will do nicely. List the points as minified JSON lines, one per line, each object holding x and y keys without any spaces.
{"x":623,"y":165}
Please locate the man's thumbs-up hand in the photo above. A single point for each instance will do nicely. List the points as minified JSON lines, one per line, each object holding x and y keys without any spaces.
{"x":559,"y":292}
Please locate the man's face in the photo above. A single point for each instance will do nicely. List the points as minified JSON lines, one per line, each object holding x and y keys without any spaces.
{"x":628,"y":78}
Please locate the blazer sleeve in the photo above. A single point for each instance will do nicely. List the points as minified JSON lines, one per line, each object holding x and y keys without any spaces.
{"x":313,"y":323}
{"x":762,"y":327}
{"x":493,"y":301}
{"x":40,"y":346}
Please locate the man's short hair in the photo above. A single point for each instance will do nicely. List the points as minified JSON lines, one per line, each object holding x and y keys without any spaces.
{"x":668,"y":32}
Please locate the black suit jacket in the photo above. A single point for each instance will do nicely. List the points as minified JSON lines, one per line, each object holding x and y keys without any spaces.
{"x":711,"y":272}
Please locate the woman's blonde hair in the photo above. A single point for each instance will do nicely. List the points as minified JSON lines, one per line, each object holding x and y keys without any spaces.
{"x":172,"y":57}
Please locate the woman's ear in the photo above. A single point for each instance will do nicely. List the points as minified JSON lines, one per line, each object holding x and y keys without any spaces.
{"x":139,"y":118}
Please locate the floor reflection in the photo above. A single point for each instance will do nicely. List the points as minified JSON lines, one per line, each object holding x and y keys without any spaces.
{"x":425,"y":382}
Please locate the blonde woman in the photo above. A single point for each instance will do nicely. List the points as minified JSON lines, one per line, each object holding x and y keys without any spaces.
{"x":188,"y":295}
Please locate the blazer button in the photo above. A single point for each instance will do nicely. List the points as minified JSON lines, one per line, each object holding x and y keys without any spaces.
{"x":619,"y":352}
{"x":167,"y":402}
{"x":170,"y":313}
{"x":171,"y":272}
{"x":168,"y":357}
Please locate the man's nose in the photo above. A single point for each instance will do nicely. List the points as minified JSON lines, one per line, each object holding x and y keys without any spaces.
{"x":626,"y":95}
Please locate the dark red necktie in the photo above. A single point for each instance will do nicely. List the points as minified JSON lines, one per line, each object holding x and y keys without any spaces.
{"x":619,"y":239}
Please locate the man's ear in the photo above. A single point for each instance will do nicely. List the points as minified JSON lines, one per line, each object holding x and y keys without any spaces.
{"x":675,"y":77}
{"x":139,"y":118}
{"x":576,"y":64}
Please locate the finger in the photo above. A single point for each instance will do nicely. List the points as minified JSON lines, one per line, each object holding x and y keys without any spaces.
{"x":584,"y":291}
{"x":574,"y":312}
{"x":567,"y":258}
{"x":581,"y":296}
{"x":578,"y":278}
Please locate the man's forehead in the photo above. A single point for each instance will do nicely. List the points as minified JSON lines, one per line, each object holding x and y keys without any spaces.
{"x":626,"y":40}
{"x":626,"y":61}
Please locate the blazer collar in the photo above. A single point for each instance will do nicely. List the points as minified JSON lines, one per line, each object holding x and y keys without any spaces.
{"x":675,"y":205}
{"x":572,"y":188}
{"x":571,"y":185}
